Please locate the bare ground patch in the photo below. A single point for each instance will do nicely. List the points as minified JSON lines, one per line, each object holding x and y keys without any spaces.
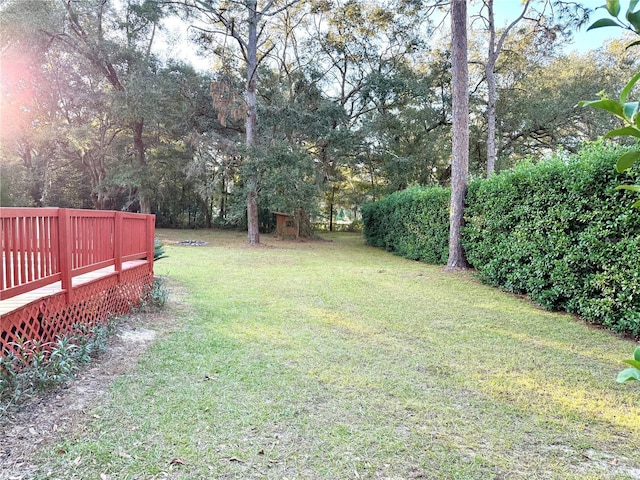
{"x":54,"y":415}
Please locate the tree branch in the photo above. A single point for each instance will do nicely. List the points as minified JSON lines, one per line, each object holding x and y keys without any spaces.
{"x":506,"y":31}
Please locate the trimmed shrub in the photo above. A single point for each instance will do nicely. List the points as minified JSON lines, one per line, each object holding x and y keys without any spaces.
{"x":557,"y":231}
{"x":412,"y":223}
{"x":561,"y":233}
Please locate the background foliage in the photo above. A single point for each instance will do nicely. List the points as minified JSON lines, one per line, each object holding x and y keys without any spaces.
{"x":354,"y":104}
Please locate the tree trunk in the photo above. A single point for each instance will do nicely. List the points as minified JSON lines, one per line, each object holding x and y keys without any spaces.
{"x":492,"y":98}
{"x":141,"y":157}
{"x":495,"y":47}
{"x":206,"y":209}
{"x":333,"y":194}
{"x":222,"y":211}
{"x":252,"y":121}
{"x":460,"y":128}
{"x":492,"y":92}
{"x":305,"y":229}
{"x":252,"y":217}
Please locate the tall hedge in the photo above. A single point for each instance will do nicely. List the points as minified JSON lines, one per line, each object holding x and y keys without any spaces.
{"x":561,"y":233}
{"x":412,"y":223}
{"x":557,"y":231}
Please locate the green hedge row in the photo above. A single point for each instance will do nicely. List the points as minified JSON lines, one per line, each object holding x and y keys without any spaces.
{"x":413,"y":223}
{"x":557,"y":231}
{"x":561,"y":233}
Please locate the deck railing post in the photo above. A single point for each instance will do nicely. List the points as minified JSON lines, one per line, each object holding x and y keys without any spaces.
{"x":65,"y":252}
{"x":117,"y":243}
{"x":4,"y":254}
{"x":151,"y":222}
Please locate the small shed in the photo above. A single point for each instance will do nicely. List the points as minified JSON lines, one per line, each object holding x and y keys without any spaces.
{"x":286,"y":226}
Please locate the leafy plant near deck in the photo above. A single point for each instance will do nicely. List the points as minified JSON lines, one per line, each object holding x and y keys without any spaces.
{"x":156,"y":298}
{"x":33,"y":366}
{"x":158,"y":250}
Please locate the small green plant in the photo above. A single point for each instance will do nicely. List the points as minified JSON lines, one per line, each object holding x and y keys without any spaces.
{"x":157,"y":297}
{"x":632,"y":18}
{"x":158,"y":250}
{"x":632,"y":373}
{"x":31,"y":366}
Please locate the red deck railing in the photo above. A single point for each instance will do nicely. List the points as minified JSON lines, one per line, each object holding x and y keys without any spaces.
{"x":41,"y":246}
{"x":44,"y":246}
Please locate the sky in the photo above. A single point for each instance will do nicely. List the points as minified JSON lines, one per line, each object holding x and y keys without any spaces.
{"x":508,"y":10}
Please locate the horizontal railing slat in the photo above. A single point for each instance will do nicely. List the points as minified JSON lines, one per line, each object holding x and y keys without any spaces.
{"x":92,"y":267}
{"x":134,"y":256}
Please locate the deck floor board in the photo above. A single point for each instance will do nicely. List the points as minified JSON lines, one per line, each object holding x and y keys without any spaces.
{"x":19,"y":301}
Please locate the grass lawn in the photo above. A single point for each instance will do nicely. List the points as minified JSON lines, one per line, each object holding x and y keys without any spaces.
{"x":333,"y":360}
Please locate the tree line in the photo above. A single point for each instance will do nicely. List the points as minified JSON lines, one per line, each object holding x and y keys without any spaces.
{"x":308,"y":107}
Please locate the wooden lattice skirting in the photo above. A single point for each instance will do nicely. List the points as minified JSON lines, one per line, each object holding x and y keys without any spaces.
{"x":49,"y":318}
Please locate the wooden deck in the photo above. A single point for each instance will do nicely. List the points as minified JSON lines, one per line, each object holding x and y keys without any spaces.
{"x":63,"y":271}
{"x":14,"y":303}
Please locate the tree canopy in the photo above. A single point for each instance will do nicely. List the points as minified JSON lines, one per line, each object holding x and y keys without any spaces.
{"x":310,"y":108}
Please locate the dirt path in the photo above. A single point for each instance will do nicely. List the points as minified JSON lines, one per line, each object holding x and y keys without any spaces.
{"x":64,"y":412}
